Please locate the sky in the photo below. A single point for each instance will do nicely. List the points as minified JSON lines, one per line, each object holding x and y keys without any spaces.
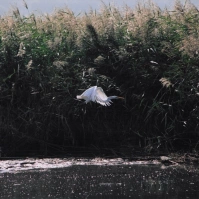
{"x":77,"y":6}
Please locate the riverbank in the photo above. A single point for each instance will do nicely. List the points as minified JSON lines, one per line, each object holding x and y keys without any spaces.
{"x":14,"y":164}
{"x":24,"y":164}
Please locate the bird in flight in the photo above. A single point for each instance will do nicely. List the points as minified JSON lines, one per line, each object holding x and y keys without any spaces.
{"x":96,"y":94}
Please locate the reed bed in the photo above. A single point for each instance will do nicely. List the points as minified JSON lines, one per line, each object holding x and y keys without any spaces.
{"x":146,"y":54}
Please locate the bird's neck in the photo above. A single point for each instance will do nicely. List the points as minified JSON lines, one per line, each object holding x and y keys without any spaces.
{"x":112,"y":97}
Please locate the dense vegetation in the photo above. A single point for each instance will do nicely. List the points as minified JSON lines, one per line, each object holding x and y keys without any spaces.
{"x":147,"y":55}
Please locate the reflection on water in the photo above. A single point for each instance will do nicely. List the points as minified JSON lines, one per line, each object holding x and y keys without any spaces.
{"x":135,"y":181}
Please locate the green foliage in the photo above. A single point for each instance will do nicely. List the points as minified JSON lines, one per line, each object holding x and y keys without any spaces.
{"x":147,"y":55}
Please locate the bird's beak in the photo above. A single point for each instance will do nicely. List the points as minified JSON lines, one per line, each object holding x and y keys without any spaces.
{"x":121,"y":98}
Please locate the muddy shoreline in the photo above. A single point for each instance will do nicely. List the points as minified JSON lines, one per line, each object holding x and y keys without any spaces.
{"x":13,"y":164}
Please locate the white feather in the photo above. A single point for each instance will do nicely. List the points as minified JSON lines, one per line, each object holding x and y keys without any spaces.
{"x":96,"y":94}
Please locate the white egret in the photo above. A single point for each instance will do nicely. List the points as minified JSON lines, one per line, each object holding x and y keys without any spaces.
{"x":96,"y":94}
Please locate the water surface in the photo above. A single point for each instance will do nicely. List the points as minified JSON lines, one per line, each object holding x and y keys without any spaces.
{"x":95,"y":181}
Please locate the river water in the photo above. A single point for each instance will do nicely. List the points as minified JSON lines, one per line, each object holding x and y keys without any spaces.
{"x":112,"y":181}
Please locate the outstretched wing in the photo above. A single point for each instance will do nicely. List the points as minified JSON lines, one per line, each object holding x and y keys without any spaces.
{"x":101,"y":97}
{"x":88,"y":94}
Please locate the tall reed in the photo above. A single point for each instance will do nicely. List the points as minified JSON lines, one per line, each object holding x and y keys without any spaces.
{"x":146,"y":54}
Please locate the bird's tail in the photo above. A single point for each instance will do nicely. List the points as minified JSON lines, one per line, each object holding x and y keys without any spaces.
{"x":79,"y":97}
